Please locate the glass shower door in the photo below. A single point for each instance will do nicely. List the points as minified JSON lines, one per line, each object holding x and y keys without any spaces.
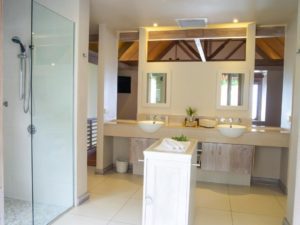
{"x":52,"y":114}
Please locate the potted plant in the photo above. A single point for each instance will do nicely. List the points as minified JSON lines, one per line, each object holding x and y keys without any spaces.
{"x":191,"y":113}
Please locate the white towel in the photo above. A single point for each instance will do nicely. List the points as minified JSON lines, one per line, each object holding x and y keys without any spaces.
{"x":171,"y":145}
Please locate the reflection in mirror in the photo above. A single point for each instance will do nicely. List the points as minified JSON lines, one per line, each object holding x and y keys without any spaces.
{"x":156,"y":88}
{"x":232,"y":85}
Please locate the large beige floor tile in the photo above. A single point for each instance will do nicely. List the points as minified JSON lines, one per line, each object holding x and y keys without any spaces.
{"x":256,"y":204}
{"x":70,"y":219}
{"x":99,"y":210}
{"x":138,"y":194}
{"x":131,"y":213}
{"x":213,"y":197}
{"x":91,"y":170}
{"x":251,"y":219}
{"x":116,"y":199}
{"x":282,"y":199}
{"x":103,"y":199}
{"x":257,"y":189}
{"x":212,"y":217}
{"x":118,"y":187}
{"x":127,"y":177}
{"x":95,"y":180}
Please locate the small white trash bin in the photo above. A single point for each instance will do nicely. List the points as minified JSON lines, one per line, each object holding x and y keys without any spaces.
{"x":121,"y":166}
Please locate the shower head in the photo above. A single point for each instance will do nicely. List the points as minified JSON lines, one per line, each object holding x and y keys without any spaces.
{"x":17,"y":40}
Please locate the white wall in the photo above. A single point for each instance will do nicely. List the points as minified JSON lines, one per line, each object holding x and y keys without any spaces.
{"x":267,"y":163}
{"x":194,"y":83}
{"x":121,"y":148}
{"x":284,"y":166}
{"x":293,"y":208}
{"x":127,"y":102}
{"x":92,"y":90}
{"x":81,"y":86}
{"x":288,"y":73}
{"x":108,"y":64}
{"x":107,"y":89}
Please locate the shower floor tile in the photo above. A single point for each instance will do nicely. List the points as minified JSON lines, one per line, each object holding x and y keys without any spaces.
{"x":18,"y":212}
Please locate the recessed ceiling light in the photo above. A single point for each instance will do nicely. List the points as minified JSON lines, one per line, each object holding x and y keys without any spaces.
{"x":235,"y":20}
{"x":52,"y":64}
{"x":155,"y":24}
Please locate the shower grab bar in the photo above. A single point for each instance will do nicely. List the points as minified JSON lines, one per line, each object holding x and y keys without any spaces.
{"x":27,"y":84}
{"x":24,"y":83}
{"x":22,"y":58}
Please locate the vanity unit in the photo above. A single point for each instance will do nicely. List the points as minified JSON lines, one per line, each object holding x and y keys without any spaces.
{"x":169,"y":177}
{"x":226,"y":163}
{"x":224,"y":160}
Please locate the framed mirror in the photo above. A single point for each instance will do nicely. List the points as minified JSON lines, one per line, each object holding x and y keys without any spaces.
{"x":232,"y":90}
{"x":156,"y":91}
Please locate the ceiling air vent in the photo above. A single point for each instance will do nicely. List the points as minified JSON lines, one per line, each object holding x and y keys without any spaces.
{"x":192,"y":22}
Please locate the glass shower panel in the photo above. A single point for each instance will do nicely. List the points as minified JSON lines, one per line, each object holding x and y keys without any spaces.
{"x":16,"y":139}
{"x":52,"y":114}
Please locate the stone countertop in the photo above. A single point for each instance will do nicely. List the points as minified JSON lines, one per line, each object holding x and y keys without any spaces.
{"x":258,"y":136}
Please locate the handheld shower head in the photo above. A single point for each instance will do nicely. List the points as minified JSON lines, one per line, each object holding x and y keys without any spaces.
{"x":17,"y":40}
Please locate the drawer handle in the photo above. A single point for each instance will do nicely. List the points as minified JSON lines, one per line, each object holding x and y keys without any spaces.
{"x":197,"y":165}
{"x":140,"y":160}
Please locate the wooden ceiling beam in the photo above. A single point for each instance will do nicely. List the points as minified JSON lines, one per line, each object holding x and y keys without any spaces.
{"x":123,"y":48}
{"x":276,"y":45}
{"x":165,"y":51}
{"x":215,"y":33}
{"x":206,"y":33}
{"x":131,"y":53}
{"x":155,"y":49}
{"x":218,"y":50}
{"x":206,"y":47}
{"x":235,"y":49}
{"x":276,"y":31}
{"x":129,"y":36}
{"x":264,"y":62}
{"x":262,"y":44}
{"x":181,"y":46}
{"x":262,"y":53}
{"x":192,"y":50}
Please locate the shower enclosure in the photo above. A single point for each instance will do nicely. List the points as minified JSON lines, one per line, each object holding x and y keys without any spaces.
{"x":38,"y":113}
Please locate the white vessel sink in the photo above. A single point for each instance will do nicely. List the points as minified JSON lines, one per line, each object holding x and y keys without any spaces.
{"x":231,"y":131}
{"x":150,"y":126}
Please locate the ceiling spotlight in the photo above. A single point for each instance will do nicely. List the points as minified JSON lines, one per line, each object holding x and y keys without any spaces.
{"x":235,"y":20}
{"x":155,"y":24}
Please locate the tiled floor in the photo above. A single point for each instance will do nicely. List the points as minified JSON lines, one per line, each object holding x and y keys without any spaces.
{"x":18,"y":212}
{"x":117,"y":200}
